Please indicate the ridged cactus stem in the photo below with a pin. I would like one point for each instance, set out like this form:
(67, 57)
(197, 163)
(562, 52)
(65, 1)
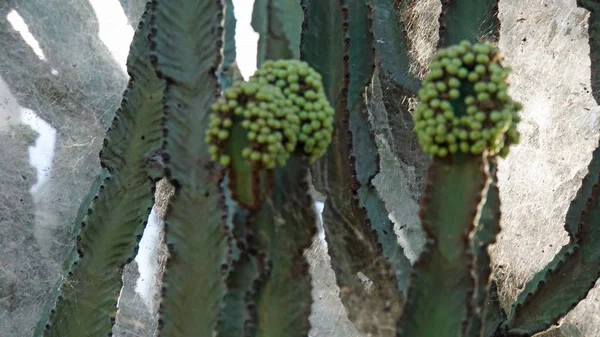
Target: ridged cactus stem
(186, 51)
(113, 220)
(439, 302)
(352, 245)
(468, 19)
(463, 120)
(266, 132)
(392, 44)
(485, 233)
(365, 155)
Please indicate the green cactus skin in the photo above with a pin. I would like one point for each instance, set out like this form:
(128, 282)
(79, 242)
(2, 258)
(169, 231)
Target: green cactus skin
(244, 269)
(186, 50)
(351, 243)
(392, 45)
(228, 66)
(468, 19)
(364, 149)
(117, 213)
(484, 235)
(568, 278)
(439, 302)
(235, 313)
(464, 105)
(278, 23)
(283, 229)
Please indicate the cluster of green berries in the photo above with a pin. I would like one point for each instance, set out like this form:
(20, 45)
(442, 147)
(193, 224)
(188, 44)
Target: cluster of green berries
(282, 107)
(302, 87)
(464, 105)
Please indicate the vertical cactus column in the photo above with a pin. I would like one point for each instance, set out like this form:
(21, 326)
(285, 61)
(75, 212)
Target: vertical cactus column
(267, 132)
(116, 212)
(465, 118)
(186, 51)
(355, 219)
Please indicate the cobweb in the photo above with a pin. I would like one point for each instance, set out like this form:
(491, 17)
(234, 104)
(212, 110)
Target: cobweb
(61, 79)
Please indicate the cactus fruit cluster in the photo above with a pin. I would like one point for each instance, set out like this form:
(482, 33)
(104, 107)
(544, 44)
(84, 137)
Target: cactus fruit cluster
(282, 108)
(464, 103)
(239, 153)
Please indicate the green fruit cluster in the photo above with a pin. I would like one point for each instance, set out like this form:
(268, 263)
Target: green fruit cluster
(303, 90)
(281, 108)
(464, 104)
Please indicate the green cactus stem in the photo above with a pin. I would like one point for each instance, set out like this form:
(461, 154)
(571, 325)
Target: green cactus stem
(364, 150)
(186, 51)
(464, 105)
(256, 129)
(283, 229)
(392, 45)
(439, 300)
(484, 235)
(468, 19)
(113, 220)
(464, 93)
(353, 247)
(278, 23)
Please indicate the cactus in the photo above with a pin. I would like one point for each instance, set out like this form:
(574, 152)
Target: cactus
(239, 154)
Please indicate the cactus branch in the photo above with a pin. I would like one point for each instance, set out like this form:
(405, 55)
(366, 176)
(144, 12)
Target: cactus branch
(116, 215)
(443, 284)
(284, 229)
(392, 45)
(483, 236)
(364, 152)
(469, 19)
(278, 24)
(186, 47)
(351, 244)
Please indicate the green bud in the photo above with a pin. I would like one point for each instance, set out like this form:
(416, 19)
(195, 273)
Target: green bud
(469, 58)
(454, 93)
(454, 82)
(225, 160)
(482, 58)
(483, 96)
(223, 134)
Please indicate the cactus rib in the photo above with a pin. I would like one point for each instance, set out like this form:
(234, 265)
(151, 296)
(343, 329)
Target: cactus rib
(283, 229)
(364, 150)
(443, 284)
(116, 215)
(392, 46)
(483, 236)
(351, 243)
(278, 23)
(186, 50)
(468, 19)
